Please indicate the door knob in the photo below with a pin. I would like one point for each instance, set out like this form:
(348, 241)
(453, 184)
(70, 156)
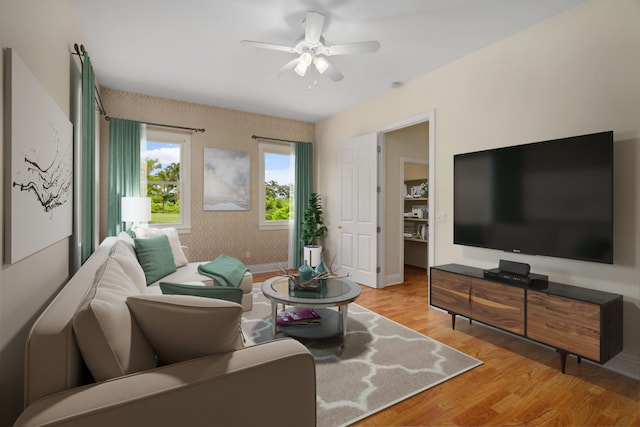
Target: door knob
(340, 226)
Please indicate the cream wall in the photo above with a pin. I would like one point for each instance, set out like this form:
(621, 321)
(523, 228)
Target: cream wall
(42, 34)
(212, 233)
(573, 74)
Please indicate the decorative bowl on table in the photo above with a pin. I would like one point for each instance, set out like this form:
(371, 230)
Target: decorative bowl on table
(296, 283)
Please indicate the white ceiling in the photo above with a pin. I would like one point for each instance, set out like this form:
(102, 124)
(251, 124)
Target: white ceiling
(190, 50)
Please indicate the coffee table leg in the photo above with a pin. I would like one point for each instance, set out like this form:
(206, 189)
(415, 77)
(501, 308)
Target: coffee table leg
(343, 310)
(274, 316)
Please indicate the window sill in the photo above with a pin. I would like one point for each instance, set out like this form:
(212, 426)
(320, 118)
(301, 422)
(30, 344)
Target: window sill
(279, 226)
(182, 229)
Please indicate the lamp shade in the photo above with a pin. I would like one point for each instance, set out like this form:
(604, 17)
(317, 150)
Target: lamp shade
(321, 64)
(135, 209)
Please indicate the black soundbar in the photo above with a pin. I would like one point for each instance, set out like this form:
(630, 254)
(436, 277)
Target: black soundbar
(518, 268)
(531, 280)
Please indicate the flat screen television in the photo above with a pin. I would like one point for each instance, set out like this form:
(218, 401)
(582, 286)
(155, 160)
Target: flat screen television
(552, 198)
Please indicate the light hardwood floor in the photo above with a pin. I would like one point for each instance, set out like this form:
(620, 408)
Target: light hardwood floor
(519, 383)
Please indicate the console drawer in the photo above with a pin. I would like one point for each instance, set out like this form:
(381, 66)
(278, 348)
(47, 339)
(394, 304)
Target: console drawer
(571, 325)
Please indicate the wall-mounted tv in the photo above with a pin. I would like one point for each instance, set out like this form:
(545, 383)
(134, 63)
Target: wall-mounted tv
(552, 198)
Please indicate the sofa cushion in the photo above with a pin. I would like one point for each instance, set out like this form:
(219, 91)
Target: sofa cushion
(109, 339)
(127, 241)
(188, 273)
(225, 293)
(179, 257)
(124, 253)
(181, 327)
(155, 257)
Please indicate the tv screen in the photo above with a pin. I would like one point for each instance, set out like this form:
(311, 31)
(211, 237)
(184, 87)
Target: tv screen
(552, 198)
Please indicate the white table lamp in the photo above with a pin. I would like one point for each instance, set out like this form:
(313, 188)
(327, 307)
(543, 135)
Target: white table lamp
(135, 209)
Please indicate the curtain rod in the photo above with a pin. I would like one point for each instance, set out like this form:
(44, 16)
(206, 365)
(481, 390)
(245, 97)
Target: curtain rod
(273, 139)
(107, 118)
(80, 51)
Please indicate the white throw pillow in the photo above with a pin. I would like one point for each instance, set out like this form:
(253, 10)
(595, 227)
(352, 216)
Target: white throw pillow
(179, 257)
(126, 257)
(184, 327)
(109, 339)
(126, 240)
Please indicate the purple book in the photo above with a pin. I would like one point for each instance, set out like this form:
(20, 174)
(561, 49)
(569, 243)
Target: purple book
(297, 316)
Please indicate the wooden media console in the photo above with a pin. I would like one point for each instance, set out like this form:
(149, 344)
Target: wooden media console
(573, 320)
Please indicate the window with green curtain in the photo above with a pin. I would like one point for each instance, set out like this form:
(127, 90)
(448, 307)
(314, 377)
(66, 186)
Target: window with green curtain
(303, 188)
(124, 169)
(88, 215)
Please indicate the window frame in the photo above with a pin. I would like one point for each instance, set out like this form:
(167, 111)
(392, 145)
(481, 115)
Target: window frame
(276, 148)
(184, 141)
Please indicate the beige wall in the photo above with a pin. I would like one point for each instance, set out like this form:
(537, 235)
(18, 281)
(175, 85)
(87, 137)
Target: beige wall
(212, 233)
(42, 34)
(573, 74)
(415, 171)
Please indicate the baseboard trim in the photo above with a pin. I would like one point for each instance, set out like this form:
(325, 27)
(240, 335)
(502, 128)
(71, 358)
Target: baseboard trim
(267, 268)
(625, 364)
(393, 279)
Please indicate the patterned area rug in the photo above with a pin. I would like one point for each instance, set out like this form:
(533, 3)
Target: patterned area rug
(381, 362)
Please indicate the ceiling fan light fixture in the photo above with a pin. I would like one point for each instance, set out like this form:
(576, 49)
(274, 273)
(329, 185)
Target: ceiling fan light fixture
(321, 64)
(303, 63)
(306, 58)
(301, 69)
(310, 48)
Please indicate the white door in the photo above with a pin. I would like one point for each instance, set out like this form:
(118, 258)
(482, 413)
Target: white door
(357, 246)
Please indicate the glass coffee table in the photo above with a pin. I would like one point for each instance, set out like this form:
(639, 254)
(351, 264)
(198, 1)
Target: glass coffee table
(335, 292)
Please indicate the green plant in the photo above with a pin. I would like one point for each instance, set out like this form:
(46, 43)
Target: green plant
(313, 228)
(424, 187)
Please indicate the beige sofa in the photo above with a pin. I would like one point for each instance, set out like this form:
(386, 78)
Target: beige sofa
(108, 350)
(187, 272)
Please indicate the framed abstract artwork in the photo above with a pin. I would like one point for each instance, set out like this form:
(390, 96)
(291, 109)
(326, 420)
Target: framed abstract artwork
(39, 160)
(227, 180)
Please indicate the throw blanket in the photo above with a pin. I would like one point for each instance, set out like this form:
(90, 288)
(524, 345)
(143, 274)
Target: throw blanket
(227, 270)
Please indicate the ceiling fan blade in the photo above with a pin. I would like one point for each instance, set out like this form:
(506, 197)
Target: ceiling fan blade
(270, 46)
(333, 73)
(358, 47)
(313, 27)
(287, 67)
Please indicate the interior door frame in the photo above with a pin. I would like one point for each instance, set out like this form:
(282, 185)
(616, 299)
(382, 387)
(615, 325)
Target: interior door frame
(427, 116)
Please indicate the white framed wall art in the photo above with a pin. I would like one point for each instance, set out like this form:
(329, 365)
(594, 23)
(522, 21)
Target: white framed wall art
(227, 180)
(38, 143)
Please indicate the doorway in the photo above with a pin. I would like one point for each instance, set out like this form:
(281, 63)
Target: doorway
(408, 142)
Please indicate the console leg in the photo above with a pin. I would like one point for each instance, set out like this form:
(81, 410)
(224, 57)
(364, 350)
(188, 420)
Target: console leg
(563, 360)
(453, 320)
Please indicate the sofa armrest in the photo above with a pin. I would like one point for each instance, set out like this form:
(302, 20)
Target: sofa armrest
(272, 383)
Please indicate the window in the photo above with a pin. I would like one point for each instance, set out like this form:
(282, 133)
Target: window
(165, 162)
(275, 186)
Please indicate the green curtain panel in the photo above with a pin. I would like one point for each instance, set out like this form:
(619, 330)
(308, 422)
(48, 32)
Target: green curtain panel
(124, 168)
(88, 217)
(303, 188)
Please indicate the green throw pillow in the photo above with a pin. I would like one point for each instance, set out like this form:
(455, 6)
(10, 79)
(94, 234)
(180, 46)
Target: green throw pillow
(228, 294)
(155, 257)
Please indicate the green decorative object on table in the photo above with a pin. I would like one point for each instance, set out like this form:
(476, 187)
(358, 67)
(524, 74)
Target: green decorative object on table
(321, 271)
(305, 272)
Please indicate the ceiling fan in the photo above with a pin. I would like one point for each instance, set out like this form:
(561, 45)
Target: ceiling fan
(311, 49)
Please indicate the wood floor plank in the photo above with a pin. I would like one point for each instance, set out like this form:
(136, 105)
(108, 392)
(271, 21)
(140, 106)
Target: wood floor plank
(519, 383)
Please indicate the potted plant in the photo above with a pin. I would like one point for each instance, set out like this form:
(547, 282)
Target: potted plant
(313, 230)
